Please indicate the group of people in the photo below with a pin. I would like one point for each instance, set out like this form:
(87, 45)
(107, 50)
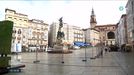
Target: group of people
(107, 49)
(102, 50)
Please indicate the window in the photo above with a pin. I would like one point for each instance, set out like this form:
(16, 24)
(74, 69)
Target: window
(23, 36)
(18, 41)
(13, 41)
(14, 31)
(25, 20)
(18, 38)
(19, 31)
(103, 37)
(10, 17)
(111, 42)
(99, 37)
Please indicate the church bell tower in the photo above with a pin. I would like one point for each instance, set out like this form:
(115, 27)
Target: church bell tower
(93, 21)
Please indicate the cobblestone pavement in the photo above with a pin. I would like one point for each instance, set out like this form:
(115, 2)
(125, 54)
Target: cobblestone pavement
(112, 63)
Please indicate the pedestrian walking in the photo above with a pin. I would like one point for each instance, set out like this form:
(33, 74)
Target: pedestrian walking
(106, 49)
(101, 53)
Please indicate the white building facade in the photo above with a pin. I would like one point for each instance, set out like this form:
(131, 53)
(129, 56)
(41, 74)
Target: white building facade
(92, 36)
(38, 34)
(121, 31)
(130, 21)
(72, 34)
(19, 29)
(24, 30)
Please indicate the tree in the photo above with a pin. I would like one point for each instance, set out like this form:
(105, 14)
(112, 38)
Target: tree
(6, 28)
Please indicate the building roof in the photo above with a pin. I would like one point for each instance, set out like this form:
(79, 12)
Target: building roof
(94, 29)
(37, 21)
(123, 15)
(15, 12)
(9, 10)
(21, 14)
(107, 25)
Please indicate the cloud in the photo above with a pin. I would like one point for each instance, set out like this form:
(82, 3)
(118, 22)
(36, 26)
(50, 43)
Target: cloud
(73, 12)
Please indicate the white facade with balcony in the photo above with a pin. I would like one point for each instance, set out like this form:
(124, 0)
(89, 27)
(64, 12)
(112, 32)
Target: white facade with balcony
(19, 29)
(38, 34)
(24, 30)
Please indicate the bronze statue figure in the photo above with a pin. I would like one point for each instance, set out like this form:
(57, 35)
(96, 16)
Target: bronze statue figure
(61, 22)
(60, 34)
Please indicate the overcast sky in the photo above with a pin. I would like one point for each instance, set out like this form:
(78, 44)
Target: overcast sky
(74, 12)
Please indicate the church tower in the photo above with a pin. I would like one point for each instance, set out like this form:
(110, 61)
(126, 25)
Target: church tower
(93, 21)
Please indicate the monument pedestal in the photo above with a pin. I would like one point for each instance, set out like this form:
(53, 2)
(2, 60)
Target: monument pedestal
(60, 49)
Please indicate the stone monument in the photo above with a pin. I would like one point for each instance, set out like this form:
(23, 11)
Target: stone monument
(59, 47)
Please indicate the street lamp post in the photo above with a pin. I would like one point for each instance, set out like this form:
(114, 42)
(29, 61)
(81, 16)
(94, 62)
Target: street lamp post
(62, 57)
(92, 50)
(84, 60)
(36, 58)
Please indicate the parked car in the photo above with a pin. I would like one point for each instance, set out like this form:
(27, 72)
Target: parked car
(76, 47)
(128, 48)
(32, 49)
(113, 48)
(81, 44)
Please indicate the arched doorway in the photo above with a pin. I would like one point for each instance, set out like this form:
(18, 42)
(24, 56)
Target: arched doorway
(111, 35)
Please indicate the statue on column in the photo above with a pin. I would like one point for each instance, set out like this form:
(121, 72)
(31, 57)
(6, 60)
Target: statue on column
(59, 47)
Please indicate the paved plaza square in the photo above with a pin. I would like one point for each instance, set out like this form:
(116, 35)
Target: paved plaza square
(112, 63)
